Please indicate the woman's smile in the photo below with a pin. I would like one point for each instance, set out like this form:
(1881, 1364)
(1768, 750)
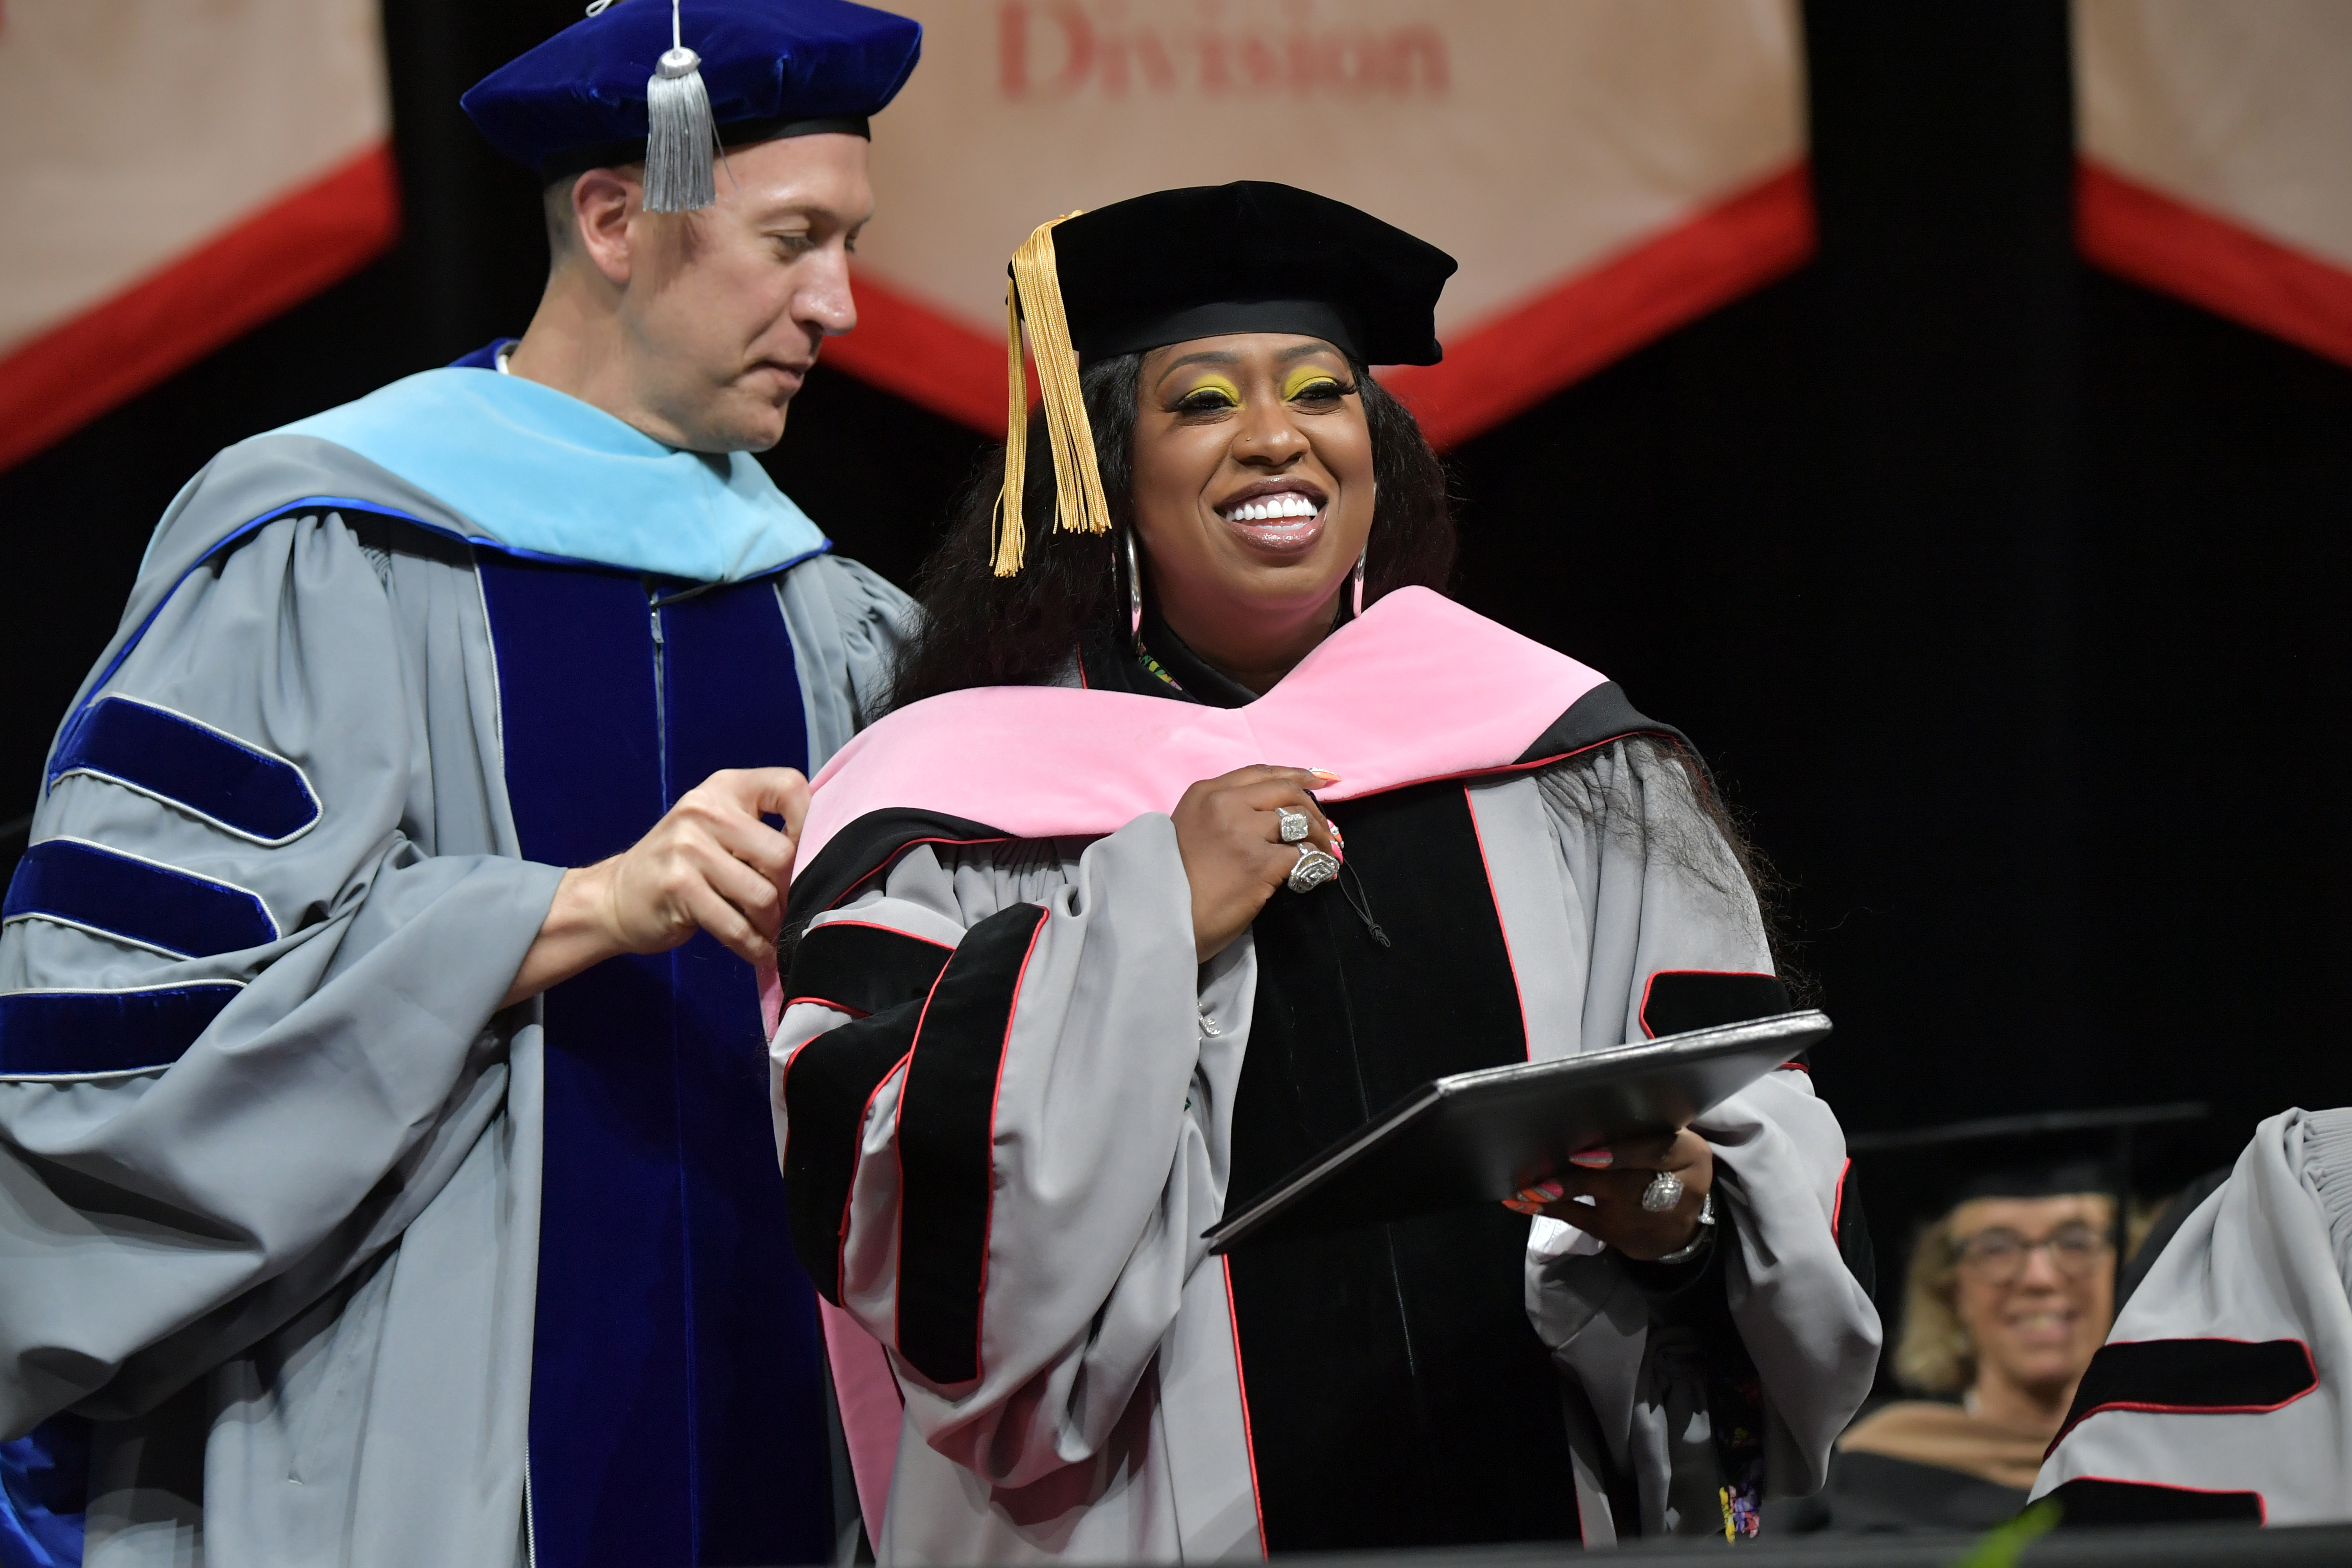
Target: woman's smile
(2043, 1326)
(1279, 517)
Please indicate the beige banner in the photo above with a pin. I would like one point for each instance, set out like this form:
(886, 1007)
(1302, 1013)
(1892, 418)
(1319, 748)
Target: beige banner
(1531, 139)
(2217, 156)
(2242, 109)
(136, 130)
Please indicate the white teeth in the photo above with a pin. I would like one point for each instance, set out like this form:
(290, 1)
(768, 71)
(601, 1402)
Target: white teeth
(1289, 503)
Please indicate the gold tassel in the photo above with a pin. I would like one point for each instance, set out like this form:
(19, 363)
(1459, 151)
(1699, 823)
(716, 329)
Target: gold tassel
(1035, 294)
(1011, 529)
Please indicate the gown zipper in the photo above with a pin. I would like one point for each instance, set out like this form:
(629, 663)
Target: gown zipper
(661, 695)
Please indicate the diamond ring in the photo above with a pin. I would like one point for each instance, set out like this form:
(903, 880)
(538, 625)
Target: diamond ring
(1665, 1191)
(1314, 868)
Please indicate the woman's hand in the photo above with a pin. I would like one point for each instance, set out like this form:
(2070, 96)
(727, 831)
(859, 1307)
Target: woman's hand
(1614, 1176)
(1229, 833)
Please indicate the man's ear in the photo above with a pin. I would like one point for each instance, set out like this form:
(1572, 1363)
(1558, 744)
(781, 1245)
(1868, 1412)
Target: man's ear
(603, 202)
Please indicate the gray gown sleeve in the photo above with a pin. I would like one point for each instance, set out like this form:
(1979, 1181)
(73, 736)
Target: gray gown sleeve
(1647, 886)
(156, 1220)
(2221, 1372)
(847, 623)
(1045, 1137)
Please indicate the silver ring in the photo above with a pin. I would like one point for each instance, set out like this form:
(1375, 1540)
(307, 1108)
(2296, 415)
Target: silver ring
(1665, 1191)
(1295, 826)
(1314, 868)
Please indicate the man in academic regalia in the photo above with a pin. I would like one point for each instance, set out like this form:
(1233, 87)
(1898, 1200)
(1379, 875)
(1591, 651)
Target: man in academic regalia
(373, 1188)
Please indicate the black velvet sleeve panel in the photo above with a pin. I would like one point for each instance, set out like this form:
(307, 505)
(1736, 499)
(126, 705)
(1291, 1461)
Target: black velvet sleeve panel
(947, 1119)
(2192, 1377)
(1677, 1001)
(864, 850)
(860, 968)
(2095, 1499)
(826, 1089)
(1850, 1228)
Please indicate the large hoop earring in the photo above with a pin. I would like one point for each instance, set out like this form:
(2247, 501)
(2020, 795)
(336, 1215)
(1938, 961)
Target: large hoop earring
(1357, 603)
(1135, 587)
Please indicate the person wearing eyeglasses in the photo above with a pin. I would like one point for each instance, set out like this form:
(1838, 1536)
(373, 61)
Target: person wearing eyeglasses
(2007, 1297)
(2220, 1397)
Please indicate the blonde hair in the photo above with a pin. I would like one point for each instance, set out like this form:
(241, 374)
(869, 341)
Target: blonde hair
(1936, 1353)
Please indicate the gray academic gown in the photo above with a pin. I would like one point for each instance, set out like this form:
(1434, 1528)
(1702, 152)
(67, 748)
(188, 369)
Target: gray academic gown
(2224, 1391)
(1110, 1421)
(287, 1261)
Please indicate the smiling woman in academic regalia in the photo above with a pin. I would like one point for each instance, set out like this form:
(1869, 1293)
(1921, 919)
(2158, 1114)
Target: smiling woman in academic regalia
(1088, 961)
(2008, 1295)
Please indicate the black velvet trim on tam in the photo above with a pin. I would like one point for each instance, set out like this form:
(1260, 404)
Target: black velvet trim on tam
(1252, 257)
(1335, 324)
(947, 1150)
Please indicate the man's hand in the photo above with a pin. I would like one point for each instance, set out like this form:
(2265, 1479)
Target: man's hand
(710, 864)
(1229, 833)
(1615, 1177)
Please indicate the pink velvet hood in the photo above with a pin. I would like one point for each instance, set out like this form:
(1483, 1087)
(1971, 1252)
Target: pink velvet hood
(1417, 688)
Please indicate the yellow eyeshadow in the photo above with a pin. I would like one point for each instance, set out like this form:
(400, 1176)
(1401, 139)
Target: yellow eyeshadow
(1219, 383)
(1303, 377)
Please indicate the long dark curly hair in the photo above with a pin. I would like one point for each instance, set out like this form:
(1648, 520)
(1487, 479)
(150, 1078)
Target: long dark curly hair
(979, 629)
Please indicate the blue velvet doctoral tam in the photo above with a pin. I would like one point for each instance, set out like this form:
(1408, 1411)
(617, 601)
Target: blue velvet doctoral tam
(762, 60)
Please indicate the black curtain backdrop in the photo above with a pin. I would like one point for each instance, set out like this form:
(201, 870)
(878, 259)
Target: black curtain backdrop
(2005, 597)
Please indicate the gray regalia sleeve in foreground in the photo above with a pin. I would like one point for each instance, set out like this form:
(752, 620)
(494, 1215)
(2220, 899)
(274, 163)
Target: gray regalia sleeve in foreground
(289, 1267)
(2224, 1390)
(1642, 882)
(1068, 1361)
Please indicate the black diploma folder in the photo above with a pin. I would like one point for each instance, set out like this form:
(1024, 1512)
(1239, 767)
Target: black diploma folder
(1479, 1137)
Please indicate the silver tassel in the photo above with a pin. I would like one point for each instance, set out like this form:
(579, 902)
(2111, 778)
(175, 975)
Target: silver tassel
(681, 134)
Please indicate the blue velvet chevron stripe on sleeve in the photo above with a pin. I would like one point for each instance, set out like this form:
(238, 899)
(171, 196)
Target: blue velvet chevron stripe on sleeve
(60, 1033)
(207, 772)
(157, 907)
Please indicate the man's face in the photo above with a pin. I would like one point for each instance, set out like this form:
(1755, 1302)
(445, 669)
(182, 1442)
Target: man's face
(724, 309)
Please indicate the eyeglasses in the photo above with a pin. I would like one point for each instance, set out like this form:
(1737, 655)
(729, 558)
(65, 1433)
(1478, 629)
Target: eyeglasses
(1998, 1254)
